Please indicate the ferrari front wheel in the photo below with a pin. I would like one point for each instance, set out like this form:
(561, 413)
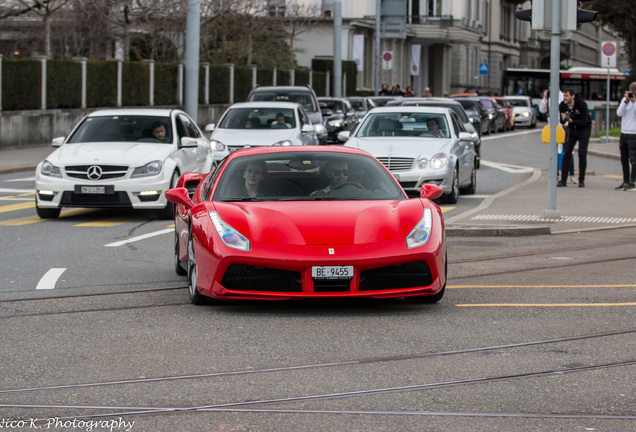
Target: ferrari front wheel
(195, 297)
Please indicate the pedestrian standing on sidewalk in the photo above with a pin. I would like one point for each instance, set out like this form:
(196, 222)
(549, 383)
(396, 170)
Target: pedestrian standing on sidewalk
(565, 114)
(627, 144)
(580, 129)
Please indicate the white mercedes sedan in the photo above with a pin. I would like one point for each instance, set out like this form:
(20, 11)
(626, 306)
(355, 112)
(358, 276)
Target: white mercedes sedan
(253, 124)
(420, 145)
(121, 158)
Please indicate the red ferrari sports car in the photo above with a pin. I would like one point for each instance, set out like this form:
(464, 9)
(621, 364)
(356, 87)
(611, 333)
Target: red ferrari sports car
(279, 223)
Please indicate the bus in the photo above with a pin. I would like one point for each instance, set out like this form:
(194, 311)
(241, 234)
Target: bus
(589, 82)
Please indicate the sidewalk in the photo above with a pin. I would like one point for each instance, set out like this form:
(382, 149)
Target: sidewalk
(518, 211)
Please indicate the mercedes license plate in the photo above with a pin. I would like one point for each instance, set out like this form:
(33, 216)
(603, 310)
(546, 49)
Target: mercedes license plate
(332, 272)
(94, 190)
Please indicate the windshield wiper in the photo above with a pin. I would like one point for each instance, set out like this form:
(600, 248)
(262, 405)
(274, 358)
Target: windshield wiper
(242, 199)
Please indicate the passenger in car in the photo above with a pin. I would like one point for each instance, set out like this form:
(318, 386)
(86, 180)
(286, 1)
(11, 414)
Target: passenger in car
(337, 173)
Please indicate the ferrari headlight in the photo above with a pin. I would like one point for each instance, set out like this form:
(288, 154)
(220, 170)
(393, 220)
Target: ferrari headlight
(335, 123)
(229, 235)
(283, 143)
(421, 234)
(439, 160)
(217, 145)
(150, 169)
(48, 169)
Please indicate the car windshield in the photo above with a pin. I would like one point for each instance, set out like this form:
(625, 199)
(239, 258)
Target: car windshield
(305, 176)
(519, 102)
(333, 105)
(118, 128)
(469, 105)
(303, 98)
(258, 118)
(357, 104)
(404, 124)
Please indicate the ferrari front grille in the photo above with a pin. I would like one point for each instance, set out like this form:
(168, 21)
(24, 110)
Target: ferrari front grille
(241, 277)
(407, 275)
(397, 163)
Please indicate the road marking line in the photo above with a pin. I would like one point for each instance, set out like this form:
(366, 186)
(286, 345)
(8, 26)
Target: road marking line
(544, 304)
(514, 169)
(141, 237)
(107, 222)
(446, 208)
(49, 280)
(16, 191)
(14, 207)
(21, 221)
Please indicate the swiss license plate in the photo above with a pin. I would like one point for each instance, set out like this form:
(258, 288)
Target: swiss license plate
(94, 190)
(332, 272)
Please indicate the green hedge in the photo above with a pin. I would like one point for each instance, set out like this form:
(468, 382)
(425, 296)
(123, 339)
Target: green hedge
(21, 84)
(136, 84)
(166, 83)
(348, 69)
(63, 84)
(101, 90)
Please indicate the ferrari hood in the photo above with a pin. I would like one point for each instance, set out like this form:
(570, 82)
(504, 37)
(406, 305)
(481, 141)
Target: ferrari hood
(116, 153)
(323, 222)
(254, 137)
(401, 146)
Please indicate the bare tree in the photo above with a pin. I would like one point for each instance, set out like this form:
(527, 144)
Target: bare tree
(44, 9)
(298, 19)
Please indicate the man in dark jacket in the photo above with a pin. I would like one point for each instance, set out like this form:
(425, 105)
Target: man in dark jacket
(574, 113)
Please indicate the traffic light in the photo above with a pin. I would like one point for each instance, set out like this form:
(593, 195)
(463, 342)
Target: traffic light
(582, 15)
(572, 16)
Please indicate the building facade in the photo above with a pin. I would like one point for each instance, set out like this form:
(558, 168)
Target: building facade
(449, 46)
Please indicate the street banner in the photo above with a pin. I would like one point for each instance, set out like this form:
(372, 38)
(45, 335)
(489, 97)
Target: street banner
(358, 52)
(416, 51)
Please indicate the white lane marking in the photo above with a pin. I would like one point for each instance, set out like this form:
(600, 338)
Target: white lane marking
(50, 278)
(16, 191)
(510, 135)
(141, 237)
(32, 178)
(514, 169)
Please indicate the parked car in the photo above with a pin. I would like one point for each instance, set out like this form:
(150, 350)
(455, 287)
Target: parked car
(361, 105)
(495, 113)
(121, 158)
(508, 112)
(405, 141)
(477, 112)
(252, 124)
(471, 125)
(525, 112)
(339, 116)
(331, 222)
(304, 96)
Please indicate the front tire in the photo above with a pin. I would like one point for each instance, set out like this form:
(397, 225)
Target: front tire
(472, 187)
(195, 297)
(178, 268)
(453, 197)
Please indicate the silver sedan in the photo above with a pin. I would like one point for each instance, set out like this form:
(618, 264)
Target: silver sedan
(420, 145)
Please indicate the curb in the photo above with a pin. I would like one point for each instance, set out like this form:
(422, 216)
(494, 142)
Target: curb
(460, 230)
(17, 168)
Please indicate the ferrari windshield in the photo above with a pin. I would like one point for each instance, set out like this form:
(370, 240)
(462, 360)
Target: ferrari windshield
(304, 176)
(258, 118)
(404, 124)
(118, 128)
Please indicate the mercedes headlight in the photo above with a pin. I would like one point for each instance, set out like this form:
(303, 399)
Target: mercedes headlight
(48, 169)
(229, 235)
(421, 234)
(150, 169)
(217, 145)
(422, 163)
(439, 160)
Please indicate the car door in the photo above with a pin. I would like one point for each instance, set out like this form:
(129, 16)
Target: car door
(307, 138)
(196, 158)
(465, 150)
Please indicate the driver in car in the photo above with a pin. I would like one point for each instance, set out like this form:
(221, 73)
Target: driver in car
(337, 173)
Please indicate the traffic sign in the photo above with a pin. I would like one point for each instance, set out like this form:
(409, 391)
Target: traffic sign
(483, 69)
(608, 54)
(387, 58)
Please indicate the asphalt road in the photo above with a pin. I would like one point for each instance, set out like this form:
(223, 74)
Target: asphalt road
(534, 334)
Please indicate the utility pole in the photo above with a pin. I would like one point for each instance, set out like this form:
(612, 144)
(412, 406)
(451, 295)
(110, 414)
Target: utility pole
(337, 50)
(193, 25)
